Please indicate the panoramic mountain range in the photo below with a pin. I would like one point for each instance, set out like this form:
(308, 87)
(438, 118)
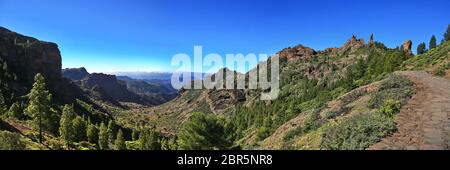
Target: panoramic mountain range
(361, 95)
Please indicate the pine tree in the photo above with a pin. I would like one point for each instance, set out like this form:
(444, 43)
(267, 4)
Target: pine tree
(119, 144)
(447, 34)
(16, 111)
(39, 106)
(112, 131)
(204, 132)
(421, 48)
(149, 140)
(92, 133)
(79, 126)
(432, 42)
(66, 130)
(103, 137)
(134, 135)
(2, 104)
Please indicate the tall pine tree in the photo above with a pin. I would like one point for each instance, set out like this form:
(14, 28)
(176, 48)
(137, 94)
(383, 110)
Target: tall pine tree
(432, 42)
(119, 144)
(92, 133)
(39, 106)
(421, 48)
(103, 137)
(149, 140)
(66, 130)
(112, 130)
(447, 34)
(79, 126)
(2, 104)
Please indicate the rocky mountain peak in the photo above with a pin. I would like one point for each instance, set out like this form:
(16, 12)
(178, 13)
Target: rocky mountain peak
(296, 52)
(354, 42)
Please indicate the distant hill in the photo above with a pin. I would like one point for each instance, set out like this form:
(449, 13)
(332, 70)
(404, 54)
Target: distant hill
(121, 88)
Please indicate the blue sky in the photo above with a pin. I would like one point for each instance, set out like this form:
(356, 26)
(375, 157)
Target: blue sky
(143, 35)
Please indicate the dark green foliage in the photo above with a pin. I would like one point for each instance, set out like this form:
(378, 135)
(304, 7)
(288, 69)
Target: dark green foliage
(92, 133)
(149, 140)
(16, 111)
(112, 130)
(204, 132)
(3, 106)
(103, 137)
(119, 144)
(358, 132)
(134, 135)
(66, 130)
(79, 126)
(447, 34)
(421, 48)
(11, 141)
(432, 42)
(39, 108)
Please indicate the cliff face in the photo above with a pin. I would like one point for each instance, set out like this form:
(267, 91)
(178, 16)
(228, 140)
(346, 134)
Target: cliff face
(75, 73)
(28, 56)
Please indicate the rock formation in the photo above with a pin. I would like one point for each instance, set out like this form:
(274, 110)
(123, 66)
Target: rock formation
(297, 52)
(407, 46)
(353, 43)
(371, 43)
(28, 56)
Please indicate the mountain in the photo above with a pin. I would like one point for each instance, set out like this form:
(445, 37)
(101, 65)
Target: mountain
(75, 74)
(142, 86)
(158, 91)
(325, 95)
(123, 89)
(22, 57)
(354, 97)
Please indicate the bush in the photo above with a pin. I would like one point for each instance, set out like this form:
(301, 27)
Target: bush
(11, 141)
(358, 132)
(390, 108)
(310, 123)
(395, 88)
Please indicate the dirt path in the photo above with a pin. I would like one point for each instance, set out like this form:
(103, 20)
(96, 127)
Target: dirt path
(424, 123)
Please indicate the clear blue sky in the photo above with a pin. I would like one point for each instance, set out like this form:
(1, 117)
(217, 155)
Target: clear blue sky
(143, 35)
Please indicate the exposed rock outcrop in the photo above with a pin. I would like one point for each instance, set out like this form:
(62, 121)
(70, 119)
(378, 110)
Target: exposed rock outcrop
(371, 42)
(28, 56)
(407, 46)
(353, 43)
(298, 52)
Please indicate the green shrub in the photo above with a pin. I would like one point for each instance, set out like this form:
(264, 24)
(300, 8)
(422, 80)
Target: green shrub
(310, 123)
(358, 132)
(11, 141)
(395, 88)
(390, 108)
